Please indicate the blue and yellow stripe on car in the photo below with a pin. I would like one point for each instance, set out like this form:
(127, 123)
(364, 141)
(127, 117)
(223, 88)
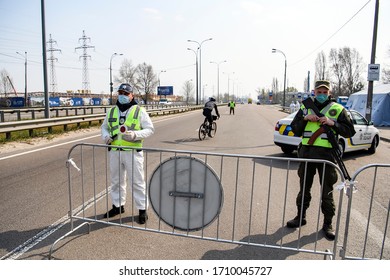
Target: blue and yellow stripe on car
(352, 145)
(285, 129)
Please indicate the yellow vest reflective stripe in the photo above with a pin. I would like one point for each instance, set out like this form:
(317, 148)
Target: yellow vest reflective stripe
(132, 122)
(332, 111)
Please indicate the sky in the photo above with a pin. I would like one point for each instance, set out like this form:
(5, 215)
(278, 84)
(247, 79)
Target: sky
(156, 32)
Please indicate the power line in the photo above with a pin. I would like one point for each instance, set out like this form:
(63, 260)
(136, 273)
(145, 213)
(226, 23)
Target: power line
(180, 67)
(338, 30)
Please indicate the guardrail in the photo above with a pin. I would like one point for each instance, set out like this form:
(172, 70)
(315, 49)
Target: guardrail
(77, 109)
(57, 110)
(31, 125)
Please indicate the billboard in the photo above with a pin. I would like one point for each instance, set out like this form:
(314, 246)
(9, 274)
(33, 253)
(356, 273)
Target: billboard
(12, 102)
(165, 90)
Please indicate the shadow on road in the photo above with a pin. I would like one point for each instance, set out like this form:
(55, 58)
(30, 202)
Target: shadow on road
(246, 252)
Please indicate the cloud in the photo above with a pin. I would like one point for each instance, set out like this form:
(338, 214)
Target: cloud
(179, 18)
(252, 8)
(153, 13)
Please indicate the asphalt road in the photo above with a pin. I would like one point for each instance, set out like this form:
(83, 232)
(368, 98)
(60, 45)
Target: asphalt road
(34, 193)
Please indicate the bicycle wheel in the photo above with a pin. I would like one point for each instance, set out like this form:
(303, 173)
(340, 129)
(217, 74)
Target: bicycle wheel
(202, 132)
(213, 128)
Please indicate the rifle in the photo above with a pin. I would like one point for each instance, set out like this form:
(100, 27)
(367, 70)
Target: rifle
(309, 104)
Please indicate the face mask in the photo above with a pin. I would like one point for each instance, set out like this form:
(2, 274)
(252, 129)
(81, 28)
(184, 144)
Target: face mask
(321, 98)
(123, 99)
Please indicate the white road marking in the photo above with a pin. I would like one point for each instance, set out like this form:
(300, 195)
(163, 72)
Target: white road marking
(33, 241)
(26, 246)
(47, 147)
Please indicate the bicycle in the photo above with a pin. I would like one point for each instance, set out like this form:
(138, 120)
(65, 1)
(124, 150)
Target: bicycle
(204, 128)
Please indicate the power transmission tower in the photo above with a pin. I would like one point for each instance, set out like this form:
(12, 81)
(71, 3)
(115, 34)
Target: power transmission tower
(52, 59)
(84, 39)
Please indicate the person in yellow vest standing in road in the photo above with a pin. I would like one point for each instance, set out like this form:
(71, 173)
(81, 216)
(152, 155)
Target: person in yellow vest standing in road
(232, 104)
(315, 145)
(127, 125)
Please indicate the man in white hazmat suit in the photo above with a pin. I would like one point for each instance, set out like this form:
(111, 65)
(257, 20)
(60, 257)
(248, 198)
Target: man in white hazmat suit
(127, 125)
(292, 107)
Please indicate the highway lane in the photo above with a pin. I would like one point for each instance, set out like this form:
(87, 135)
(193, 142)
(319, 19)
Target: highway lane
(34, 187)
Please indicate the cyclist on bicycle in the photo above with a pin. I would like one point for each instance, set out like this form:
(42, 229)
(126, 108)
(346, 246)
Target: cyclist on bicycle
(207, 112)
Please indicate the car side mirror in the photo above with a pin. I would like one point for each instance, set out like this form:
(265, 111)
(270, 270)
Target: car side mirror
(370, 123)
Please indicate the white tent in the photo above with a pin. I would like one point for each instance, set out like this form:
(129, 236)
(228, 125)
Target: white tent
(380, 115)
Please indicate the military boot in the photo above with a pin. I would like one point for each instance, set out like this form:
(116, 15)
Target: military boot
(328, 229)
(297, 222)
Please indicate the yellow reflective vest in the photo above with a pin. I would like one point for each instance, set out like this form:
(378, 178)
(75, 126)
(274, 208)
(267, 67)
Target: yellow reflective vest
(132, 122)
(332, 111)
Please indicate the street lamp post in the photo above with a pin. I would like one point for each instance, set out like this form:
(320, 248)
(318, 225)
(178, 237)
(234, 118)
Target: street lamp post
(200, 65)
(111, 88)
(285, 70)
(25, 76)
(162, 71)
(228, 83)
(234, 80)
(159, 83)
(197, 83)
(218, 63)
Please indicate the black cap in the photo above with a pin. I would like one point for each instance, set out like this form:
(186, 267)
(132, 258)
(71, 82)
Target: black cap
(126, 88)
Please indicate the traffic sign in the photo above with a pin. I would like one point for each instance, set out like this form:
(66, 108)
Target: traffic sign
(373, 72)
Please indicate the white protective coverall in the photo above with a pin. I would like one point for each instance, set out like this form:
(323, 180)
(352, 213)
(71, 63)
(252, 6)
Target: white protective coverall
(292, 107)
(121, 166)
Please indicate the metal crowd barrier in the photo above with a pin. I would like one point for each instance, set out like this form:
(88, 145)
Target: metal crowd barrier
(367, 226)
(229, 198)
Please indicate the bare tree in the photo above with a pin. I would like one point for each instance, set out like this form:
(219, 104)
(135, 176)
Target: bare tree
(321, 71)
(353, 70)
(146, 80)
(386, 73)
(337, 67)
(265, 94)
(262, 94)
(188, 90)
(275, 89)
(346, 66)
(291, 89)
(5, 86)
(127, 73)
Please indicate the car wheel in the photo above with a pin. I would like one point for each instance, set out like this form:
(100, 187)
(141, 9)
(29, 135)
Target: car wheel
(374, 144)
(341, 147)
(287, 150)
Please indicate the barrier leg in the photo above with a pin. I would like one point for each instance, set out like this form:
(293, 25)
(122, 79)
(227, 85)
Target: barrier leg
(70, 232)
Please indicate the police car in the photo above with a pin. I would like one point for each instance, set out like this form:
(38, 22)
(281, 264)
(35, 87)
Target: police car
(366, 137)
